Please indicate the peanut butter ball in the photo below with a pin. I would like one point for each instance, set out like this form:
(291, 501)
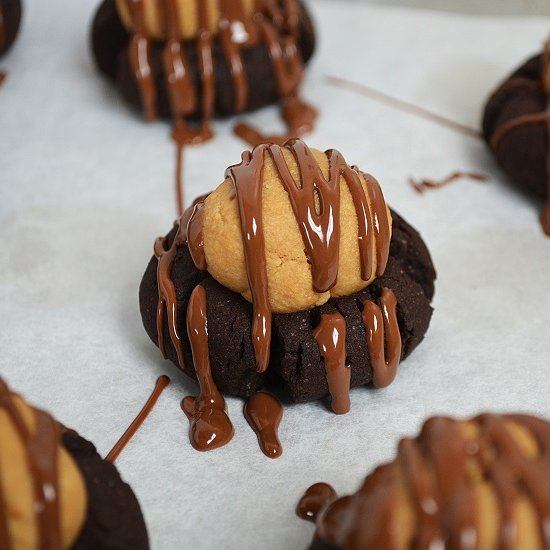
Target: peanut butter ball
(289, 270)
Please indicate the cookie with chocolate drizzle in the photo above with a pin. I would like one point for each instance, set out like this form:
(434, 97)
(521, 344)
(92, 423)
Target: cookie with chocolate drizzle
(516, 126)
(479, 483)
(10, 20)
(55, 490)
(304, 278)
(191, 60)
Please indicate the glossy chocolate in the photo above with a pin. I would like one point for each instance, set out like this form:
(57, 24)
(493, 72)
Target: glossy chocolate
(160, 385)
(436, 473)
(331, 337)
(167, 301)
(532, 118)
(210, 426)
(316, 498)
(41, 450)
(274, 24)
(264, 414)
(382, 331)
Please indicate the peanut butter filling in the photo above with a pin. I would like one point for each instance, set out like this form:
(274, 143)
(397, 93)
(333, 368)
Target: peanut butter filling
(188, 16)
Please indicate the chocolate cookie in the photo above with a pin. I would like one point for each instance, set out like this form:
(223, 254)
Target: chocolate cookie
(113, 518)
(56, 491)
(515, 125)
(459, 484)
(10, 19)
(111, 40)
(292, 359)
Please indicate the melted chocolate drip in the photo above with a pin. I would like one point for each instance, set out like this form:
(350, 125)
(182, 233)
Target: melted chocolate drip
(316, 498)
(264, 414)
(331, 337)
(426, 184)
(274, 24)
(41, 450)
(437, 470)
(532, 118)
(383, 330)
(160, 385)
(210, 426)
(139, 56)
(167, 299)
(3, 77)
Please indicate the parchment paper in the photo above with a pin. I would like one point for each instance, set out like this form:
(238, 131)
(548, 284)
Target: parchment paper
(87, 186)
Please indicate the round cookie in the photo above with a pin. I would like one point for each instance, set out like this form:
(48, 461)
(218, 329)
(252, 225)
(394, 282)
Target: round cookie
(55, 490)
(296, 364)
(110, 40)
(10, 19)
(479, 483)
(515, 126)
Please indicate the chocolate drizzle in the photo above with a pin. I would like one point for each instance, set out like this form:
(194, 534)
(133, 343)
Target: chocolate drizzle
(41, 450)
(438, 470)
(382, 330)
(167, 300)
(316, 498)
(331, 337)
(264, 414)
(532, 118)
(315, 201)
(210, 426)
(272, 23)
(426, 184)
(160, 385)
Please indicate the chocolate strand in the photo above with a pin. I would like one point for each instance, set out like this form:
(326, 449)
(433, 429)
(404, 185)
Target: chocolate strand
(139, 56)
(264, 413)
(533, 118)
(402, 105)
(210, 427)
(426, 184)
(382, 329)
(41, 451)
(161, 383)
(331, 337)
(245, 177)
(167, 299)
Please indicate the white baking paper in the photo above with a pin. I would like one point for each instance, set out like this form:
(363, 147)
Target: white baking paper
(86, 186)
